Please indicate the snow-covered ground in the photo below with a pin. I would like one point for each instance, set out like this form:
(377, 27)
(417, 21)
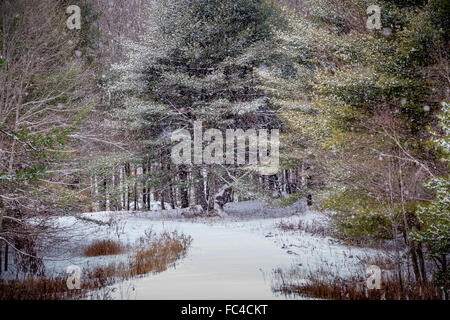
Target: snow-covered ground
(230, 258)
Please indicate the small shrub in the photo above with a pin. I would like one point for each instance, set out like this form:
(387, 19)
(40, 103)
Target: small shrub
(161, 253)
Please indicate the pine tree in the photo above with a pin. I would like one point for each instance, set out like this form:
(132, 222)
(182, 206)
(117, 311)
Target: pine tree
(196, 63)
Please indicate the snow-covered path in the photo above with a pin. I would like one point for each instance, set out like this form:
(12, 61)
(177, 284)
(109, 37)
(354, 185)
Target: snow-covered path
(222, 263)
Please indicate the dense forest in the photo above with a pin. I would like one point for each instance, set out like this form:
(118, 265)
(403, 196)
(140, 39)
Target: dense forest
(360, 113)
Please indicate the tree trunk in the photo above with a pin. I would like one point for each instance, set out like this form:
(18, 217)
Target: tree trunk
(172, 195)
(421, 262)
(144, 189)
(1, 214)
(128, 174)
(444, 272)
(303, 177)
(122, 187)
(92, 191)
(309, 200)
(222, 198)
(105, 191)
(163, 206)
(135, 199)
(183, 189)
(6, 256)
(398, 265)
(444, 263)
(112, 195)
(1, 251)
(287, 182)
(417, 274)
(211, 188)
(149, 190)
(199, 189)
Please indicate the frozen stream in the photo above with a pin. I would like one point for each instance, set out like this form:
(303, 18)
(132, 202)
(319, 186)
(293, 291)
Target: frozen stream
(229, 258)
(222, 263)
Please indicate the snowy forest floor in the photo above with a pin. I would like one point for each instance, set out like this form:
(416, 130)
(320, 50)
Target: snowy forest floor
(244, 255)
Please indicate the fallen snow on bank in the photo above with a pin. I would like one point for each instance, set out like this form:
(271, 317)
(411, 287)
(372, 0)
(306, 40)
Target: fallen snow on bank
(230, 258)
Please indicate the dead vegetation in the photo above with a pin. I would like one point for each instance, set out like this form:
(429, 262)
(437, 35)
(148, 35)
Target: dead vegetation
(103, 248)
(159, 254)
(311, 228)
(153, 254)
(329, 286)
(380, 260)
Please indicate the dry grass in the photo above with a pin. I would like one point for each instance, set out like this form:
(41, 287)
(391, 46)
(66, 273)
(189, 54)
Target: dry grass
(36, 289)
(103, 248)
(160, 254)
(153, 254)
(42, 288)
(311, 228)
(355, 288)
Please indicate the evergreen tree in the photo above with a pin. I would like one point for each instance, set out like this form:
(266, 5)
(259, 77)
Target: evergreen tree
(196, 62)
(358, 107)
(435, 216)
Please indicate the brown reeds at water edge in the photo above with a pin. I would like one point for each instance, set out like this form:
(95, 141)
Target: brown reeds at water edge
(331, 287)
(103, 248)
(150, 256)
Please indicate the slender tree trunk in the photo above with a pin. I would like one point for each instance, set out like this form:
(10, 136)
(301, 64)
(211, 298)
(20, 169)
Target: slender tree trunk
(92, 191)
(395, 234)
(183, 189)
(135, 189)
(412, 252)
(128, 175)
(144, 189)
(171, 194)
(163, 205)
(444, 272)
(1, 252)
(149, 191)
(123, 188)
(309, 200)
(406, 224)
(119, 190)
(271, 180)
(211, 191)
(199, 189)
(399, 266)
(6, 256)
(303, 177)
(1, 215)
(287, 182)
(421, 262)
(105, 191)
(112, 193)
(444, 263)
(207, 194)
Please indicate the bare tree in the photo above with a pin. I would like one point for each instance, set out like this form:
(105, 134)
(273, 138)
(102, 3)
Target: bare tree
(43, 83)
